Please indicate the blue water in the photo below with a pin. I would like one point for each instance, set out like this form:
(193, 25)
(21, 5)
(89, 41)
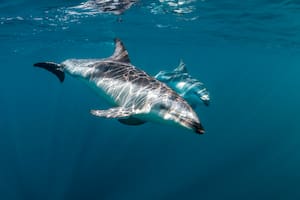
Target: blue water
(246, 53)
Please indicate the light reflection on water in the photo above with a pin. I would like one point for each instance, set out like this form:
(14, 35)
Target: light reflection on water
(269, 22)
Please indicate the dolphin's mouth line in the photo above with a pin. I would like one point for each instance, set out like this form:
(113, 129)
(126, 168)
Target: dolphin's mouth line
(195, 126)
(198, 128)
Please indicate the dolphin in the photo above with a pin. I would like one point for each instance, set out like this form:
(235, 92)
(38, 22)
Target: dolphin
(135, 96)
(191, 89)
(116, 7)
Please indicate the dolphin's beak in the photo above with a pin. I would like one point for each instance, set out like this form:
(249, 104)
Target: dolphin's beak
(206, 102)
(192, 124)
(198, 128)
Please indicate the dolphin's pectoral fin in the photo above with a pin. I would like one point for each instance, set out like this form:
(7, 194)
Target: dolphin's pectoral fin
(132, 121)
(54, 68)
(118, 112)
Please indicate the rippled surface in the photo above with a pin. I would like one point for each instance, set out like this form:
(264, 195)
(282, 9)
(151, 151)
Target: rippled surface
(270, 23)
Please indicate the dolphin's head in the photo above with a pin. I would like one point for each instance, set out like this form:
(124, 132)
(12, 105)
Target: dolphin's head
(197, 94)
(179, 112)
(204, 96)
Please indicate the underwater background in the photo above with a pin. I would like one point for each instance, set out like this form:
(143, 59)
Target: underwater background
(247, 53)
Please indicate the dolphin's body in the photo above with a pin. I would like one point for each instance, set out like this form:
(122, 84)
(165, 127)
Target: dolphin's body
(116, 7)
(191, 89)
(135, 96)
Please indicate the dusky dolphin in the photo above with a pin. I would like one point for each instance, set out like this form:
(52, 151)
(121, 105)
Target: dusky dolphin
(191, 89)
(116, 7)
(135, 96)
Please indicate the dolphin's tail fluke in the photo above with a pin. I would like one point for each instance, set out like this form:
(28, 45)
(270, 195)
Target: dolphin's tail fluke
(54, 68)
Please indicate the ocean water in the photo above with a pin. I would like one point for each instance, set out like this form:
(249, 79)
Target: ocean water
(246, 52)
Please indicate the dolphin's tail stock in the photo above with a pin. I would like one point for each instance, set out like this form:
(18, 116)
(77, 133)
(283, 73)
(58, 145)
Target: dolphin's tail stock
(54, 68)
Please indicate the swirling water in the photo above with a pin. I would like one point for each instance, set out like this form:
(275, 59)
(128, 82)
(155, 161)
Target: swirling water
(246, 53)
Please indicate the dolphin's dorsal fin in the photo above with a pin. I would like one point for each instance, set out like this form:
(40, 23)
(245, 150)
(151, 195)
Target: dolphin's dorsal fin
(181, 68)
(120, 53)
